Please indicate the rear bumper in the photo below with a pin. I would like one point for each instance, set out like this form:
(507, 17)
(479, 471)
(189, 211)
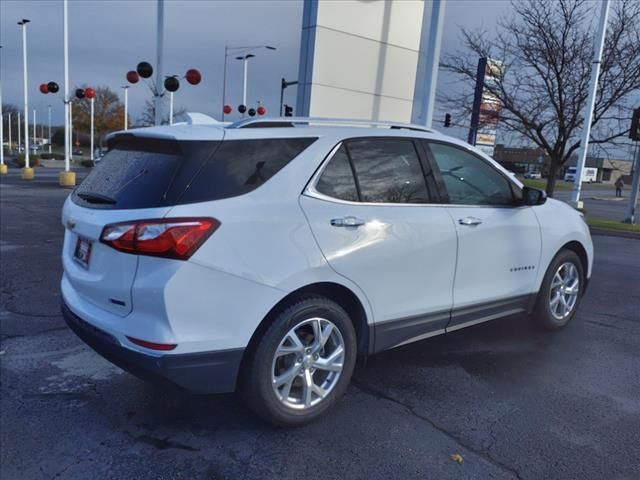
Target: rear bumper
(205, 372)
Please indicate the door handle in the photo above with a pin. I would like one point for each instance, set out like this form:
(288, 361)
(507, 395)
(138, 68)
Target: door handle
(347, 222)
(469, 221)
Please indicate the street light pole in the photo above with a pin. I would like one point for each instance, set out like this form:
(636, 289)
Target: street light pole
(126, 107)
(27, 171)
(34, 131)
(70, 139)
(92, 111)
(591, 100)
(227, 50)
(170, 108)
(49, 108)
(630, 215)
(10, 139)
(159, 76)
(244, 81)
(224, 80)
(3, 167)
(19, 133)
(67, 177)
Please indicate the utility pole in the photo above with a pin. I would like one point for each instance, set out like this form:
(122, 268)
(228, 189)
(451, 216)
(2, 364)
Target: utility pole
(159, 76)
(591, 100)
(428, 61)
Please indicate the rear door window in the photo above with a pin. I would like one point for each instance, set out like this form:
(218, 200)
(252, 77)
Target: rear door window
(337, 179)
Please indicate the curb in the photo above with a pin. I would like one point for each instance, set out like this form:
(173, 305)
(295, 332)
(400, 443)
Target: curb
(610, 199)
(614, 233)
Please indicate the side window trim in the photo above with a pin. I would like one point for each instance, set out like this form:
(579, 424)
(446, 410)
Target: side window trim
(345, 144)
(437, 198)
(442, 186)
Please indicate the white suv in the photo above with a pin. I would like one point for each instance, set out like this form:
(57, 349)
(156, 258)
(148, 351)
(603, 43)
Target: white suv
(265, 256)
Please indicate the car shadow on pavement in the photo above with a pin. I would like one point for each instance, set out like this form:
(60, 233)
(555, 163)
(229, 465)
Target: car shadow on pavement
(479, 350)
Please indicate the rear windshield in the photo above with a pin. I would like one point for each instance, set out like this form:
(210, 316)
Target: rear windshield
(150, 173)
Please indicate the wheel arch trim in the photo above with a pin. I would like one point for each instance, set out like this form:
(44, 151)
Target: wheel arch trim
(353, 302)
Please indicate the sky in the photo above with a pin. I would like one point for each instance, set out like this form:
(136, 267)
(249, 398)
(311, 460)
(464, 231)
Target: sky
(109, 37)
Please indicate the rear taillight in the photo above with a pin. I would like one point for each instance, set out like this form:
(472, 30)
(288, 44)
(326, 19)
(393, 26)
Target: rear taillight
(177, 238)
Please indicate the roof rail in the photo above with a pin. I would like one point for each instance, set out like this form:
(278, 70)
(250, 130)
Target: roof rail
(278, 122)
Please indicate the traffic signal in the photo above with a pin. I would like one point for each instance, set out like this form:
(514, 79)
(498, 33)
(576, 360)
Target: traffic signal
(447, 119)
(634, 133)
(288, 111)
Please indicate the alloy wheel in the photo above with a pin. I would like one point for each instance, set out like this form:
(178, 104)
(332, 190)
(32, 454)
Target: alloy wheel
(308, 363)
(564, 290)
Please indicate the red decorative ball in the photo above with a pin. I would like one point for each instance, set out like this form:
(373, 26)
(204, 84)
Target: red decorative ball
(193, 76)
(89, 92)
(227, 109)
(44, 88)
(261, 110)
(132, 76)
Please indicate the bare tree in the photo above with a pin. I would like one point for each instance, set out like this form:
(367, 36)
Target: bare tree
(546, 47)
(108, 114)
(148, 116)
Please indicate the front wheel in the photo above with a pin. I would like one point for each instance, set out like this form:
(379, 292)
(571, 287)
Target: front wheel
(561, 291)
(302, 364)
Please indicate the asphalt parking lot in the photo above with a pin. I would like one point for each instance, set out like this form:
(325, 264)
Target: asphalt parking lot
(512, 401)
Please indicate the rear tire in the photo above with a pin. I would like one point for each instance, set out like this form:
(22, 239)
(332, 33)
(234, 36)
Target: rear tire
(302, 364)
(561, 291)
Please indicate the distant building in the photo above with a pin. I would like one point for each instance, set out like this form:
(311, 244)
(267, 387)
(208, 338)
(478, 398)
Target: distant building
(522, 160)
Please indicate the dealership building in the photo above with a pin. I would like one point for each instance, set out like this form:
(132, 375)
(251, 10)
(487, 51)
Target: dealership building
(523, 160)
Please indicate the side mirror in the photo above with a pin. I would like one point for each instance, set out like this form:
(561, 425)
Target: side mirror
(533, 196)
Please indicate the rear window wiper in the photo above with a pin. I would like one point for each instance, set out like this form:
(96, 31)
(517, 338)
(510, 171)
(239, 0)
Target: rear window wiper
(96, 198)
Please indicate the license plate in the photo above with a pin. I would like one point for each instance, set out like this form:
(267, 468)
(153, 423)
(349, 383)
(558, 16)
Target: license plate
(82, 253)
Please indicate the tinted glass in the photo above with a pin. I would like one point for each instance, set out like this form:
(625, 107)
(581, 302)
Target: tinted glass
(147, 173)
(470, 180)
(388, 171)
(240, 166)
(337, 178)
(143, 173)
